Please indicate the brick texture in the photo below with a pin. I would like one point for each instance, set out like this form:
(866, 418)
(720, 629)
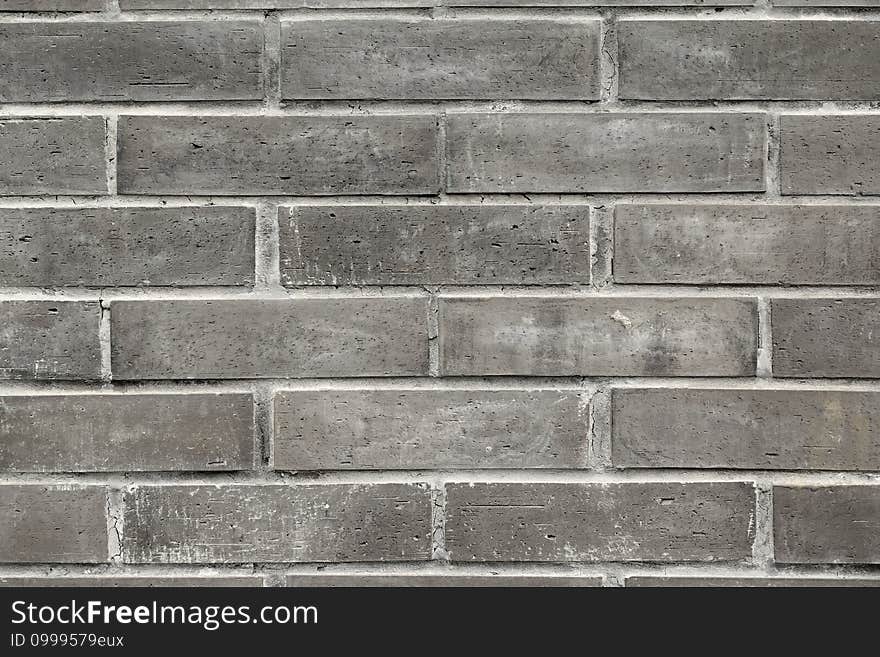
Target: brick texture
(242, 524)
(100, 433)
(434, 245)
(48, 247)
(597, 337)
(604, 522)
(506, 292)
(436, 59)
(54, 524)
(419, 429)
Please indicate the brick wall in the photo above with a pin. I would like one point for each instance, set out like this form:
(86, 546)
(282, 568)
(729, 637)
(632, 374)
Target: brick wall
(311, 293)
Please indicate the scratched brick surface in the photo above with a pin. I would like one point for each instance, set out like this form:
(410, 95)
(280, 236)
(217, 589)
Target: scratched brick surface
(474, 293)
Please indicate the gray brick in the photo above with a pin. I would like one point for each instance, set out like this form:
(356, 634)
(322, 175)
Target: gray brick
(835, 524)
(826, 337)
(241, 339)
(269, 523)
(60, 155)
(50, 340)
(47, 247)
(601, 152)
(443, 580)
(436, 244)
(52, 5)
(425, 59)
(60, 524)
(429, 429)
(747, 244)
(826, 3)
(740, 582)
(141, 581)
(830, 154)
(600, 522)
(365, 4)
(179, 60)
(228, 155)
(624, 336)
(107, 433)
(752, 429)
(749, 59)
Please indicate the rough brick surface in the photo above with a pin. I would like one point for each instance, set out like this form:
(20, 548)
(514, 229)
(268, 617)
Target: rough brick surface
(59, 155)
(739, 582)
(748, 59)
(605, 152)
(481, 581)
(835, 338)
(600, 522)
(751, 429)
(138, 581)
(829, 154)
(50, 340)
(835, 524)
(747, 244)
(436, 59)
(101, 433)
(284, 338)
(326, 281)
(421, 429)
(149, 61)
(61, 524)
(623, 336)
(430, 245)
(228, 155)
(127, 246)
(242, 524)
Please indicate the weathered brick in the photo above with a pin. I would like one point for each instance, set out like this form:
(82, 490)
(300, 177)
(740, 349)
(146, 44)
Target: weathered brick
(366, 4)
(425, 59)
(436, 244)
(52, 5)
(228, 155)
(739, 582)
(601, 152)
(50, 340)
(60, 524)
(748, 59)
(424, 429)
(240, 339)
(101, 433)
(742, 244)
(826, 337)
(834, 524)
(141, 581)
(59, 155)
(444, 580)
(127, 246)
(624, 336)
(752, 429)
(825, 3)
(270, 523)
(829, 154)
(130, 61)
(600, 522)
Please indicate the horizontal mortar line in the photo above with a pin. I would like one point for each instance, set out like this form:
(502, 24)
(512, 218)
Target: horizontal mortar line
(697, 12)
(563, 569)
(448, 292)
(659, 291)
(370, 107)
(127, 570)
(444, 199)
(439, 477)
(580, 385)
